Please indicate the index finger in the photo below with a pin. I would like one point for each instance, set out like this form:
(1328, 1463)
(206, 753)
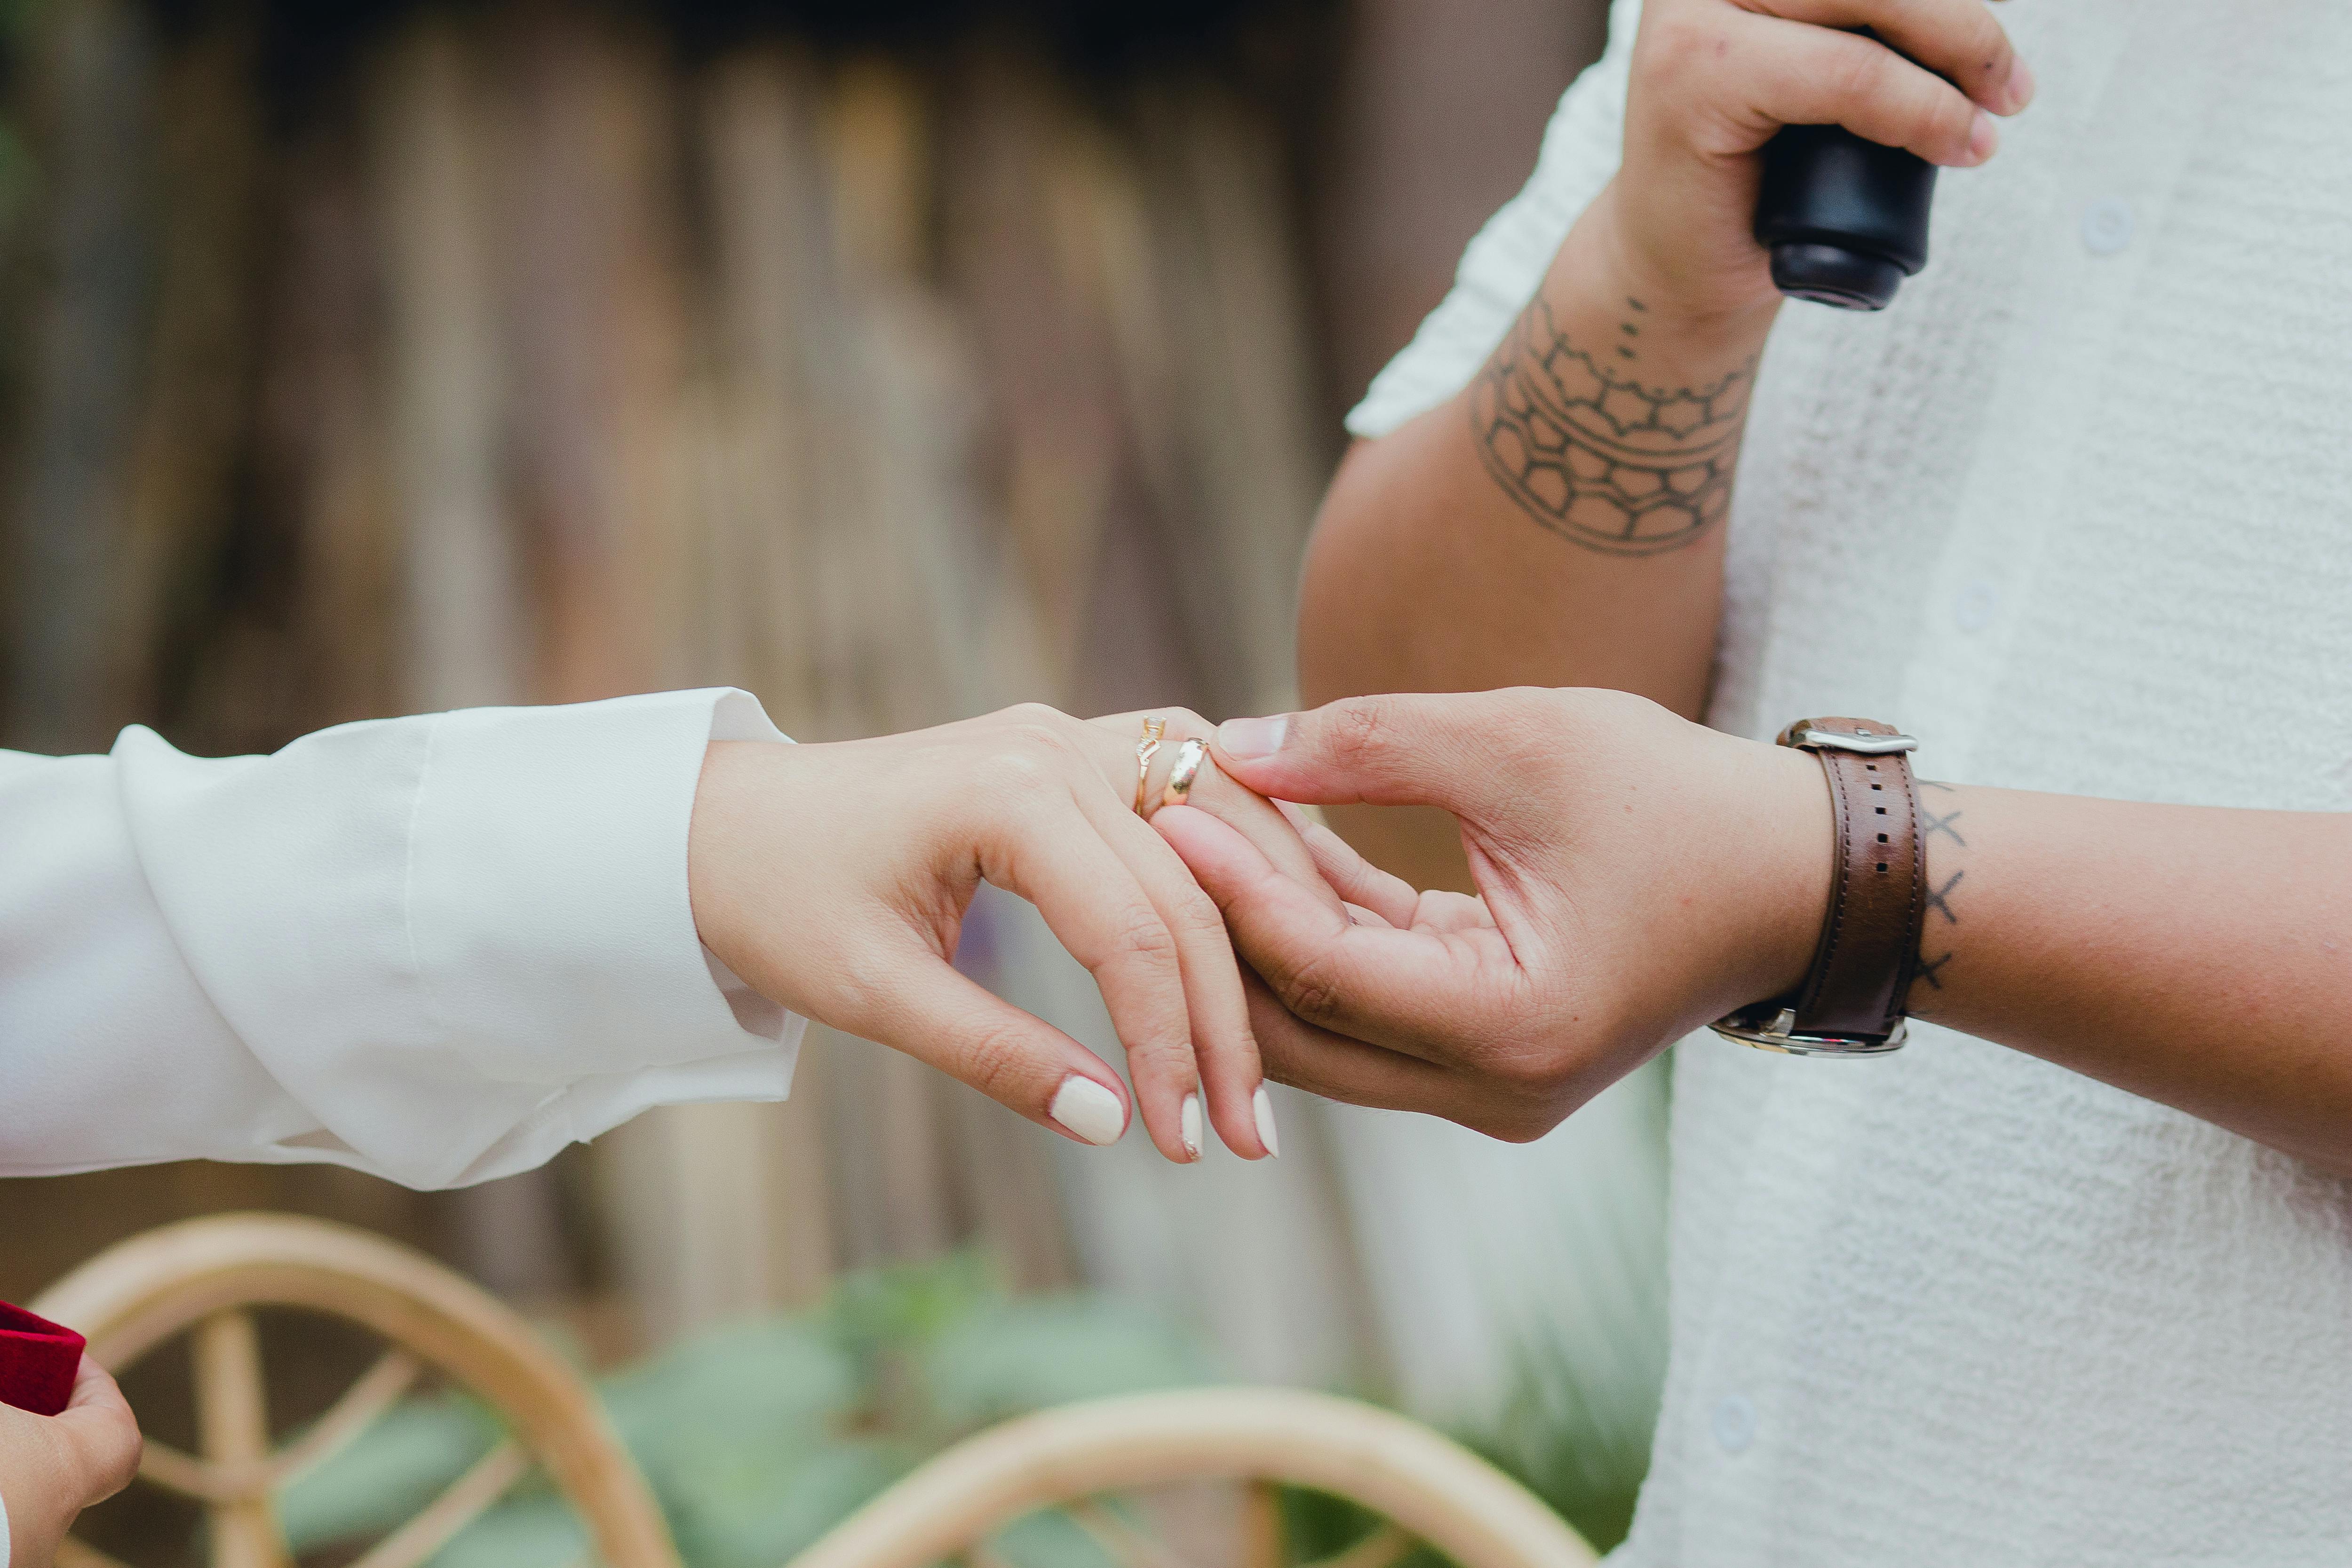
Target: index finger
(1412, 991)
(1960, 40)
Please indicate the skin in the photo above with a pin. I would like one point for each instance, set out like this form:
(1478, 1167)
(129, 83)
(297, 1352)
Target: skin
(53, 1466)
(1639, 875)
(1430, 570)
(2126, 942)
(834, 879)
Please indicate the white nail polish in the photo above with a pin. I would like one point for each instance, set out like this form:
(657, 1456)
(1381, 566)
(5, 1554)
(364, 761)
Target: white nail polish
(1191, 1125)
(1263, 1105)
(1088, 1109)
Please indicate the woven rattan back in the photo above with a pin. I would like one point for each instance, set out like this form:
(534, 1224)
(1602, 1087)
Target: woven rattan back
(205, 1278)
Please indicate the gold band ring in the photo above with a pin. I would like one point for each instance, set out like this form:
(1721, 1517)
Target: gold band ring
(1189, 757)
(1145, 750)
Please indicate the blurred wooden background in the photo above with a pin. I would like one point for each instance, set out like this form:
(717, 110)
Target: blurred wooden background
(894, 362)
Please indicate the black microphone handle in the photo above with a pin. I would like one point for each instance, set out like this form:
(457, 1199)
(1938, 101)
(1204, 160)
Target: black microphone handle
(1844, 218)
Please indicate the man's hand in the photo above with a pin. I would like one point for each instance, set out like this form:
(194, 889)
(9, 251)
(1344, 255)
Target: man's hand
(1712, 81)
(1638, 875)
(53, 1466)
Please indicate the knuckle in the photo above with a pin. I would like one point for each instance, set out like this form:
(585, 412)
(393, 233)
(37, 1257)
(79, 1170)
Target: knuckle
(994, 1060)
(1044, 715)
(1041, 730)
(1168, 1057)
(1860, 72)
(1310, 991)
(1195, 917)
(1953, 120)
(1358, 730)
(1676, 46)
(1142, 936)
(1034, 745)
(1018, 768)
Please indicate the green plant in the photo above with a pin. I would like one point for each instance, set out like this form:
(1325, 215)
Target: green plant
(757, 1436)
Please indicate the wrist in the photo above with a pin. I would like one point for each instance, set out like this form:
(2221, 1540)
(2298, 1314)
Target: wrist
(1689, 312)
(718, 882)
(1851, 1000)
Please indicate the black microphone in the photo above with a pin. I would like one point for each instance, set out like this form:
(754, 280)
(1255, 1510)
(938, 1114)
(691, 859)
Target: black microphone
(1844, 218)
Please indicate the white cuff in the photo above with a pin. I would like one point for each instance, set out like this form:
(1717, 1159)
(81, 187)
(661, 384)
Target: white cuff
(461, 941)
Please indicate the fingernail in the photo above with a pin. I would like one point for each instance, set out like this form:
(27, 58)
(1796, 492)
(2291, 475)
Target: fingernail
(1248, 737)
(2021, 81)
(1983, 137)
(1087, 1109)
(1191, 1125)
(1262, 1105)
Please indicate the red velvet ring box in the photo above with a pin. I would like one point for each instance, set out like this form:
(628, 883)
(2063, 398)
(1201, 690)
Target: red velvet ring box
(37, 1362)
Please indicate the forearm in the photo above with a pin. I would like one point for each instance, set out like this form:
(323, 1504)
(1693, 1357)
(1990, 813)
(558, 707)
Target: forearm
(2191, 955)
(1557, 523)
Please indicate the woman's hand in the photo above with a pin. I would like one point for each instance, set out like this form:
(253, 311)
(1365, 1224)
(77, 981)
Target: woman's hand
(1713, 80)
(53, 1466)
(835, 878)
(1638, 875)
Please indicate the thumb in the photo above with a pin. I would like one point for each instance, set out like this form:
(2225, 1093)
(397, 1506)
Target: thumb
(104, 1433)
(1445, 750)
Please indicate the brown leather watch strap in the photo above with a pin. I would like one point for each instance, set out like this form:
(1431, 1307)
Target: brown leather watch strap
(1870, 941)
(1851, 1002)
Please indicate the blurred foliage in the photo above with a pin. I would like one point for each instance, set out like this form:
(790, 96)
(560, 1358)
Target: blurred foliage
(1574, 1435)
(759, 1435)
(1586, 1369)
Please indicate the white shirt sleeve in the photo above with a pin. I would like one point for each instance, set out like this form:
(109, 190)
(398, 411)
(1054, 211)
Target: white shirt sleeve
(1506, 261)
(435, 949)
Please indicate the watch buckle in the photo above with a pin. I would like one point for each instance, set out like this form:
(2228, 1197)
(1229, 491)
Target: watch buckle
(1806, 737)
(1781, 1036)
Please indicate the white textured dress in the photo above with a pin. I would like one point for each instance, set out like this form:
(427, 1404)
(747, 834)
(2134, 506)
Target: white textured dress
(2083, 500)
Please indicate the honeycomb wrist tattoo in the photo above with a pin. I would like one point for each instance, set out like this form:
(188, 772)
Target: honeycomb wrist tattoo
(1596, 456)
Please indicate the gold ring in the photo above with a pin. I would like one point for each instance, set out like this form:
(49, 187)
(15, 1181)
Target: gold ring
(1145, 750)
(1189, 757)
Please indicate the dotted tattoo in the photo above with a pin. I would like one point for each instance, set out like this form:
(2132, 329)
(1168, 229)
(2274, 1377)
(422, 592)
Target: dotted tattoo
(1606, 462)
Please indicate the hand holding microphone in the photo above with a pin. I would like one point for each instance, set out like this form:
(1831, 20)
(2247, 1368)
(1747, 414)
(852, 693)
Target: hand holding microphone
(1715, 82)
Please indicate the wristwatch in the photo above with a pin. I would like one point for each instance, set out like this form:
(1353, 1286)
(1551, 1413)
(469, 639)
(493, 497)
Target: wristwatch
(1851, 1001)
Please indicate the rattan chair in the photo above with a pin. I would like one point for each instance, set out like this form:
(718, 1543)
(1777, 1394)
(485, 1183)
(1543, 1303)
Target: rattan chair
(203, 1277)
(1426, 1487)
